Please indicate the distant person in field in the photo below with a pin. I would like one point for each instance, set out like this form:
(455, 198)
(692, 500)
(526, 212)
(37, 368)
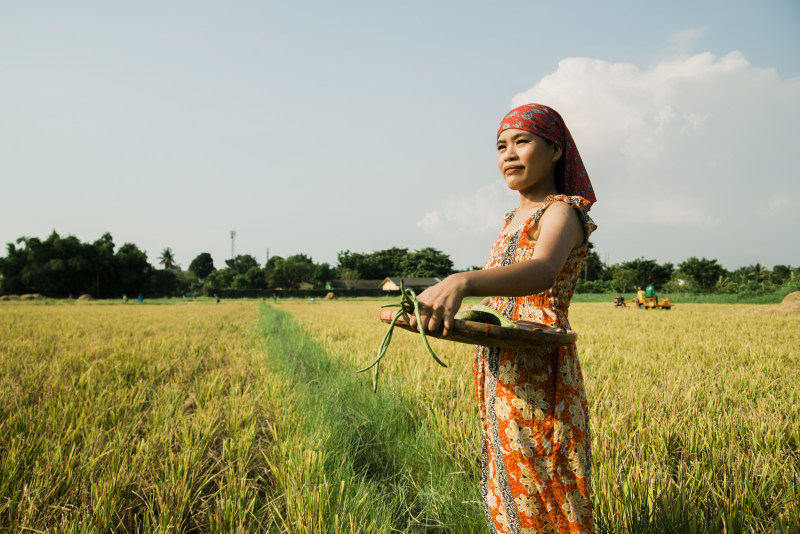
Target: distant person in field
(650, 292)
(532, 403)
(640, 295)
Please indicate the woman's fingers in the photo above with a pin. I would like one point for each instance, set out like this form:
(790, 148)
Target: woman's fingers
(437, 305)
(441, 320)
(424, 315)
(436, 320)
(430, 318)
(448, 325)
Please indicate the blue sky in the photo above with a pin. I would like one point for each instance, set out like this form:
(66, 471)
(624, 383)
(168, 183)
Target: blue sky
(318, 126)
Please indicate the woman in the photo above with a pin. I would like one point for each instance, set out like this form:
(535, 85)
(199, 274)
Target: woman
(532, 404)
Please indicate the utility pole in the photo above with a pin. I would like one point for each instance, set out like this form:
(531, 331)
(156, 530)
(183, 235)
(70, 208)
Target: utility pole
(233, 244)
(267, 258)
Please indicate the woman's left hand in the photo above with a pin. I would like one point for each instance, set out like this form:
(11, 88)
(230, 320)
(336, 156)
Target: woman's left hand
(438, 304)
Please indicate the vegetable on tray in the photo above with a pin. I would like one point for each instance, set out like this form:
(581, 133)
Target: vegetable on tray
(476, 325)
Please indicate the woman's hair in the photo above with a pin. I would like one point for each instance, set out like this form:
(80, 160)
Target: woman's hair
(571, 177)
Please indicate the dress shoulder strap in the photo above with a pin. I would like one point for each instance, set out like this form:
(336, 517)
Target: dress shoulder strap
(577, 202)
(508, 218)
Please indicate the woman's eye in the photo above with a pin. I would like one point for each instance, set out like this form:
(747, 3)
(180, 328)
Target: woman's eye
(501, 147)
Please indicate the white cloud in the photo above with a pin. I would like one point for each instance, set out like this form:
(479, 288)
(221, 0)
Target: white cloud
(680, 43)
(690, 142)
(782, 205)
(686, 213)
(682, 149)
(779, 202)
(479, 213)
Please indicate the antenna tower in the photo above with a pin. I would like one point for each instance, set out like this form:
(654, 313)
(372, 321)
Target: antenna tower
(233, 244)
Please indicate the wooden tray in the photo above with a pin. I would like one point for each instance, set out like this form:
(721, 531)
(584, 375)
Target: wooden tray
(527, 336)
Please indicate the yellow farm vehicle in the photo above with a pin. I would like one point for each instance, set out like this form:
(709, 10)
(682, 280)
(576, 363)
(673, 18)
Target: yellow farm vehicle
(647, 303)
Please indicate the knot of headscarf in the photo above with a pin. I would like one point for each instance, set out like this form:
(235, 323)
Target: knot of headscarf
(546, 122)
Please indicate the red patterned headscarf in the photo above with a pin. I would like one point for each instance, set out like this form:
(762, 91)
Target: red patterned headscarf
(546, 122)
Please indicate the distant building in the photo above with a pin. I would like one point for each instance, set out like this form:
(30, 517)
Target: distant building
(417, 284)
(353, 284)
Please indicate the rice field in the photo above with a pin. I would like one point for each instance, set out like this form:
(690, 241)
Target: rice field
(248, 417)
(694, 411)
(133, 419)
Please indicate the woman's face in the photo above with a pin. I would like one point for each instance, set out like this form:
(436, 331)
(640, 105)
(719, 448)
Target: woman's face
(526, 161)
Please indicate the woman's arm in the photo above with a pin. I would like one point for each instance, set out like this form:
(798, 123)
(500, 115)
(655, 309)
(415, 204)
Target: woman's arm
(560, 232)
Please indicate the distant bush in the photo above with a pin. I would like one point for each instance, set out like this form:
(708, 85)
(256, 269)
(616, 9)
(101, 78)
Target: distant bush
(595, 286)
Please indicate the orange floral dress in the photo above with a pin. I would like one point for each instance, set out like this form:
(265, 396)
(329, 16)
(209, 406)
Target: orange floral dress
(536, 443)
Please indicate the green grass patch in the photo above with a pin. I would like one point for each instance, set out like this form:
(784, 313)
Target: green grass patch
(372, 456)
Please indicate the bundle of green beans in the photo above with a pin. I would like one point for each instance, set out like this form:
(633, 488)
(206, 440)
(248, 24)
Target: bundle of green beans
(408, 304)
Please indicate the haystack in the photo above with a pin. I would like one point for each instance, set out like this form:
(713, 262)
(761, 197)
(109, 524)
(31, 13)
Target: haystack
(31, 296)
(330, 296)
(791, 303)
(85, 297)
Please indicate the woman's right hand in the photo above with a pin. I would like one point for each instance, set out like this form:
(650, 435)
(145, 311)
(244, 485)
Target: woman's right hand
(438, 304)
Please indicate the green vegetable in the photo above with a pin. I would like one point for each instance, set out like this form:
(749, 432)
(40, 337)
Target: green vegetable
(484, 314)
(408, 304)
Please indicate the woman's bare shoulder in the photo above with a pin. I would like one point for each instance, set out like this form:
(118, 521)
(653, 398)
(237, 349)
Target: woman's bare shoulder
(565, 218)
(559, 205)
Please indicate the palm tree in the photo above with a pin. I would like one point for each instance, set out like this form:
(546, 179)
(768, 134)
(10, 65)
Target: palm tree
(167, 258)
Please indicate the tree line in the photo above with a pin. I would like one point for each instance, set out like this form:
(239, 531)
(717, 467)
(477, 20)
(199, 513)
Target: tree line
(694, 275)
(63, 266)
